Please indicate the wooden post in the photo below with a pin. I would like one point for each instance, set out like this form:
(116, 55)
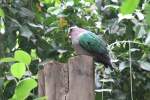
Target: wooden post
(71, 81)
(81, 78)
(55, 81)
(41, 83)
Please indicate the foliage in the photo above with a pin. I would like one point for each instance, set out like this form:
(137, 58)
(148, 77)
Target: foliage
(126, 8)
(36, 30)
(18, 70)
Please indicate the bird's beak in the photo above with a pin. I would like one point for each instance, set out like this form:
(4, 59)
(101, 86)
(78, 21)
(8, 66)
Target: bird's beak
(69, 31)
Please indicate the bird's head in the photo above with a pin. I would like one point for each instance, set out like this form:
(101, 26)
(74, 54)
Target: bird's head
(71, 29)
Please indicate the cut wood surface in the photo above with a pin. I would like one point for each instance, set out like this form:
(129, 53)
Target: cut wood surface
(71, 81)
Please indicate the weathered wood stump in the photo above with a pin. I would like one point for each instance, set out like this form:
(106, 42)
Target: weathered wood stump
(70, 81)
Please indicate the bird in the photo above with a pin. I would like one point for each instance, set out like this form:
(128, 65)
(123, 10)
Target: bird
(88, 43)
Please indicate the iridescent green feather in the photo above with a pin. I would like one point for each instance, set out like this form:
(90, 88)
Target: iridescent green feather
(93, 43)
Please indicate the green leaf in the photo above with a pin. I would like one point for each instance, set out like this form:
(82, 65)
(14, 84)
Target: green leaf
(129, 6)
(147, 13)
(2, 26)
(2, 14)
(57, 2)
(9, 59)
(70, 3)
(22, 56)
(147, 40)
(33, 54)
(24, 88)
(145, 65)
(26, 32)
(18, 70)
(47, 1)
(54, 10)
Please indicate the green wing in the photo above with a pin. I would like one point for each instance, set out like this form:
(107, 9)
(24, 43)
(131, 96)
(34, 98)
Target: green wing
(92, 43)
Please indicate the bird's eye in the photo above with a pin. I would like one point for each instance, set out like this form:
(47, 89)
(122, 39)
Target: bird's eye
(69, 30)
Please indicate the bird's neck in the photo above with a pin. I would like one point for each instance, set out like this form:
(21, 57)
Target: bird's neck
(77, 32)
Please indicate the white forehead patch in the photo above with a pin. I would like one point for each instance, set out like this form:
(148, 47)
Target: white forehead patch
(73, 27)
